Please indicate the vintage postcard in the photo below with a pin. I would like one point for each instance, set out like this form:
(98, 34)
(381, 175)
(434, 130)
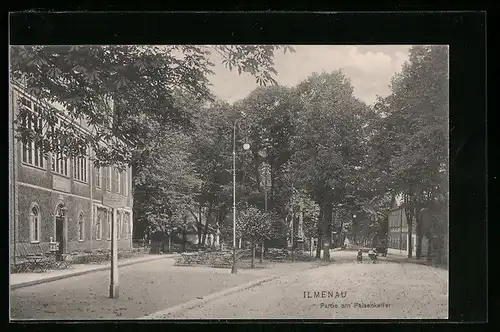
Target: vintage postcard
(170, 182)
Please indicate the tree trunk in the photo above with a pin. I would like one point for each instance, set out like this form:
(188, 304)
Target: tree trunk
(339, 235)
(318, 245)
(199, 227)
(199, 235)
(208, 220)
(418, 252)
(262, 253)
(170, 242)
(253, 254)
(326, 250)
(184, 239)
(205, 232)
(430, 243)
(409, 218)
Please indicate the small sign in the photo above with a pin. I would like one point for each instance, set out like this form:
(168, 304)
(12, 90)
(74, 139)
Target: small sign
(113, 201)
(60, 183)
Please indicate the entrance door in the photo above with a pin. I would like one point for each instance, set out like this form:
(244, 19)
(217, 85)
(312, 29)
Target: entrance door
(60, 235)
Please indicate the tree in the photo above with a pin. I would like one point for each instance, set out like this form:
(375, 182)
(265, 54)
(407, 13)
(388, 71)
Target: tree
(255, 225)
(301, 203)
(117, 91)
(164, 183)
(416, 128)
(210, 153)
(329, 144)
(271, 122)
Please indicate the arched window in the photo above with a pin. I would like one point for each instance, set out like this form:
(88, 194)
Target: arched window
(98, 225)
(126, 225)
(80, 227)
(35, 224)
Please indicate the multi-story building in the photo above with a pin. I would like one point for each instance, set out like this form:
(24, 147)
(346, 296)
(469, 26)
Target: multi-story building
(398, 230)
(60, 199)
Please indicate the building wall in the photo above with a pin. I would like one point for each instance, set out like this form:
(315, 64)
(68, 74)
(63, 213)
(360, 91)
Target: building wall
(398, 232)
(35, 185)
(398, 229)
(12, 180)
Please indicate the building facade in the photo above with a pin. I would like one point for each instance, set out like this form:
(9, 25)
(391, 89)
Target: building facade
(398, 237)
(59, 199)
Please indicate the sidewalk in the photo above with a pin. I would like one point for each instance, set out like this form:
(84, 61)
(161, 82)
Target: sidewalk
(18, 280)
(144, 290)
(401, 256)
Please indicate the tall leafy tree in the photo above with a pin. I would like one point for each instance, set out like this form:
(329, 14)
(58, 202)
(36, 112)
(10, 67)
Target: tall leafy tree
(270, 122)
(117, 91)
(254, 225)
(329, 144)
(210, 152)
(165, 183)
(417, 130)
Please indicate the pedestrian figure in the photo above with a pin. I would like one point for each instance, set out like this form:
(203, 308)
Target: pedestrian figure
(372, 254)
(359, 259)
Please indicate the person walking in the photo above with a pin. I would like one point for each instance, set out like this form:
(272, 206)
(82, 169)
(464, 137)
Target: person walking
(359, 258)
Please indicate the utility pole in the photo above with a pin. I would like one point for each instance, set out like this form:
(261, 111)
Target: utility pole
(113, 202)
(92, 210)
(265, 209)
(334, 236)
(293, 246)
(233, 267)
(300, 231)
(113, 281)
(401, 230)
(246, 146)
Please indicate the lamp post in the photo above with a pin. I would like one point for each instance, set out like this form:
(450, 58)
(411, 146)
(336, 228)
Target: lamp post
(246, 146)
(354, 218)
(265, 174)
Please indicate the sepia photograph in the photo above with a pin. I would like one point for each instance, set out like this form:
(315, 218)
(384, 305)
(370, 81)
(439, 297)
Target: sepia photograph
(238, 181)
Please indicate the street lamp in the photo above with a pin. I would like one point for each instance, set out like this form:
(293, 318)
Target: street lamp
(354, 217)
(265, 171)
(246, 146)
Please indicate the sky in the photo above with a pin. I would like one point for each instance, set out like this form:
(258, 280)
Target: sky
(370, 68)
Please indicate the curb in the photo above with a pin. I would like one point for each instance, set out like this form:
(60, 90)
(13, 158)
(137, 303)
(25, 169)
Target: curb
(163, 314)
(79, 273)
(416, 262)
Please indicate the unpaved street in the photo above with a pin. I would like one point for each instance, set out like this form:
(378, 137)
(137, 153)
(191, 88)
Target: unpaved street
(371, 291)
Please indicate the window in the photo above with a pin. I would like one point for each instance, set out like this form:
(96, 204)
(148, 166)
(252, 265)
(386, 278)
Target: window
(109, 216)
(117, 179)
(108, 179)
(98, 177)
(80, 227)
(125, 183)
(98, 225)
(32, 150)
(126, 225)
(80, 168)
(35, 224)
(59, 160)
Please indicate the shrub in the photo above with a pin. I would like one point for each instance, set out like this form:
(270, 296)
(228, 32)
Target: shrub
(216, 259)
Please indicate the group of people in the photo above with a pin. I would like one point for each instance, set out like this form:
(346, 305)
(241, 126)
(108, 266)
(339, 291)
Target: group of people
(372, 254)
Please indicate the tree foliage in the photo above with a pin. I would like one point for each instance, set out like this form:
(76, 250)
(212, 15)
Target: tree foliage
(118, 91)
(416, 124)
(254, 224)
(165, 183)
